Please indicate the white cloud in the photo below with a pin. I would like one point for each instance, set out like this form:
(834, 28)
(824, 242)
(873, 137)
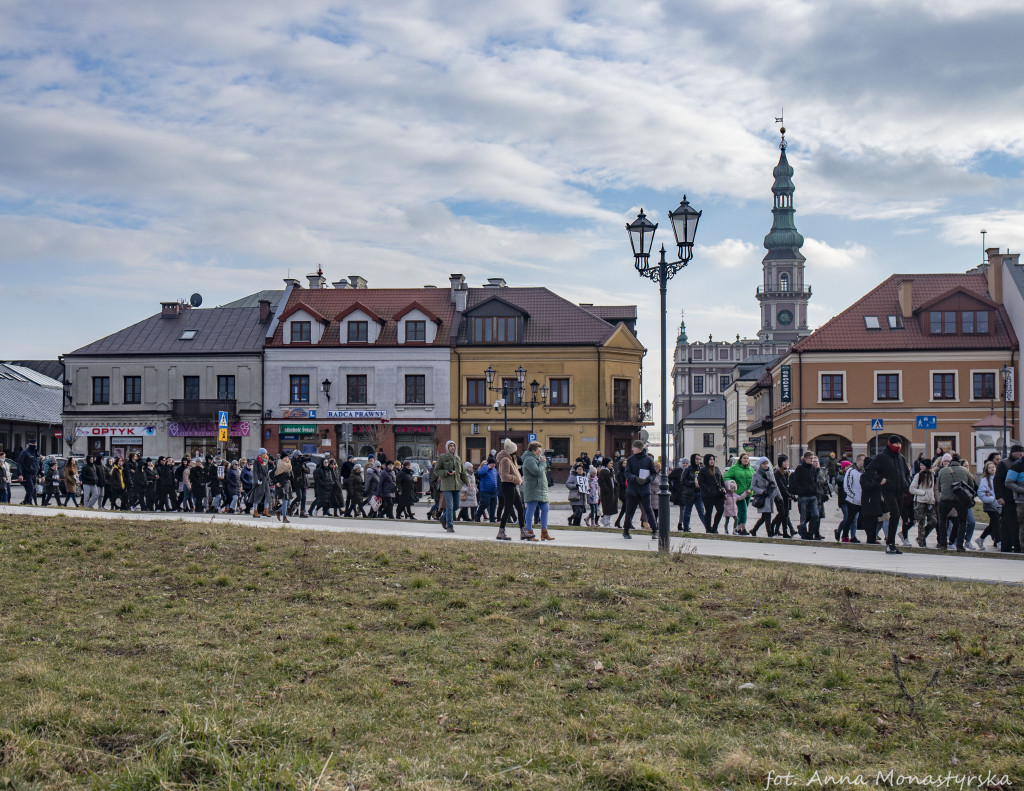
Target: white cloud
(733, 254)
(822, 254)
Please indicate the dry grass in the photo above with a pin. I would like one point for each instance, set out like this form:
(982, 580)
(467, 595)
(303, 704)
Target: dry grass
(171, 655)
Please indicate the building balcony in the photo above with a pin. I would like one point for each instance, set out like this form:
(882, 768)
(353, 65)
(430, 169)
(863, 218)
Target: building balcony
(774, 292)
(202, 409)
(628, 414)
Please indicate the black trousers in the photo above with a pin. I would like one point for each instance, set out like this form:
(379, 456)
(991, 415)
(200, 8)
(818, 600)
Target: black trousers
(511, 501)
(892, 504)
(1009, 529)
(960, 529)
(718, 505)
(644, 501)
(848, 528)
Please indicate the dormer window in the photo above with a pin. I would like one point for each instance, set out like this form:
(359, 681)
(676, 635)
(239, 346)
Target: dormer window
(358, 331)
(972, 322)
(416, 331)
(495, 329)
(302, 331)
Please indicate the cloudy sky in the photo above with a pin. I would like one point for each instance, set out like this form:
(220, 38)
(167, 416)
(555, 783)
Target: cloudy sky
(149, 150)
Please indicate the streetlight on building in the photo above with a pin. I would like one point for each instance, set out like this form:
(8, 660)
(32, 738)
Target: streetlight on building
(325, 388)
(1006, 372)
(509, 389)
(684, 221)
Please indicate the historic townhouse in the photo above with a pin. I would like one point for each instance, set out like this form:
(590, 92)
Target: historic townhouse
(919, 356)
(579, 364)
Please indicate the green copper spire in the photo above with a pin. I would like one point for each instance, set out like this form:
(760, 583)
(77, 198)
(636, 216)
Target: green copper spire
(681, 338)
(783, 241)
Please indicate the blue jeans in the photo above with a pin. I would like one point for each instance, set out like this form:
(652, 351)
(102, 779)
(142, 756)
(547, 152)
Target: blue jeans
(687, 509)
(535, 505)
(285, 502)
(810, 517)
(451, 504)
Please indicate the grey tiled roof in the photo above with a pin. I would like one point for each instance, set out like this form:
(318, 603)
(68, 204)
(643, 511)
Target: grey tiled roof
(29, 397)
(218, 330)
(552, 319)
(712, 411)
(253, 300)
(54, 369)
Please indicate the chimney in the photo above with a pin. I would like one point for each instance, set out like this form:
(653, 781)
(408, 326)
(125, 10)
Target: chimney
(495, 282)
(264, 311)
(355, 281)
(340, 284)
(906, 303)
(458, 282)
(292, 281)
(170, 310)
(317, 280)
(994, 273)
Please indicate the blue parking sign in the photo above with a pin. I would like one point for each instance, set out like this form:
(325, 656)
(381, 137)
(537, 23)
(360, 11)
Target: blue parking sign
(531, 437)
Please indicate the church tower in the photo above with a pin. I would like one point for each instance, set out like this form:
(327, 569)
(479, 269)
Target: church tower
(783, 294)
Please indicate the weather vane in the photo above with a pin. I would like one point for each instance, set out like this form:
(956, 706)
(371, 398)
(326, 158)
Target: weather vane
(782, 129)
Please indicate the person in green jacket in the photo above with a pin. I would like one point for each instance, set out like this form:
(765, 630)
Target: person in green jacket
(535, 491)
(451, 476)
(742, 473)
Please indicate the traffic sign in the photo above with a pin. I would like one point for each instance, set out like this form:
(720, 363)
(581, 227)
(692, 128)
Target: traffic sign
(927, 422)
(877, 424)
(222, 420)
(312, 413)
(531, 437)
(222, 435)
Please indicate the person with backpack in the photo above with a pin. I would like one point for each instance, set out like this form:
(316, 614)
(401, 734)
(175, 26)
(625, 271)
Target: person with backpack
(957, 491)
(922, 487)
(688, 497)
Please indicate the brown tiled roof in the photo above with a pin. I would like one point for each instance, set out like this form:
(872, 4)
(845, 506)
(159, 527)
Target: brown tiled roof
(552, 319)
(847, 331)
(218, 330)
(387, 303)
(612, 313)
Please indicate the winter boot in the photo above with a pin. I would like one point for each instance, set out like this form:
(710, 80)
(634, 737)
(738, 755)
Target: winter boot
(545, 536)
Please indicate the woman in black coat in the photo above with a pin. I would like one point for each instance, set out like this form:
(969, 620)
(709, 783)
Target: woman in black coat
(870, 503)
(355, 492)
(780, 524)
(712, 492)
(406, 483)
(337, 501)
(606, 485)
(321, 488)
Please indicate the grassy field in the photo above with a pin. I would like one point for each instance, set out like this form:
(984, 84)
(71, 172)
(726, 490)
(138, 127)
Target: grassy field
(168, 655)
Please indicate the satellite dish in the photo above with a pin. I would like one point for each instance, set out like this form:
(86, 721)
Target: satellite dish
(195, 300)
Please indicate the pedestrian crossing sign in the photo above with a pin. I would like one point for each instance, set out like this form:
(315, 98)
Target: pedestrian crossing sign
(877, 423)
(222, 420)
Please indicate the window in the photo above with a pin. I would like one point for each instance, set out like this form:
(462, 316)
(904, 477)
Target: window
(949, 322)
(415, 389)
(831, 387)
(982, 322)
(188, 335)
(495, 329)
(896, 323)
(620, 391)
(783, 282)
(984, 385)
(299, 389)
(476, 392)
(225, 387)
(967, 322)
(871, 323)
(888, 387)
(560, 450)
(709, 439)
(358, 331)
(974, 322)
(302, 331)
(191, 388)
(101, 389)
(510, 387)
(698, 384)
(935, 322)
(698, 354)
(559, 392)
(355, 385)
(133, 389)
(723, 383)
(943, 386)
(416, 331)
(943, 322)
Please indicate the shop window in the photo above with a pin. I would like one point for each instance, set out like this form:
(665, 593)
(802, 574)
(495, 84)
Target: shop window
(559, 392)
(559, 450)
(133, 389)
(101, 389)
(299, 389)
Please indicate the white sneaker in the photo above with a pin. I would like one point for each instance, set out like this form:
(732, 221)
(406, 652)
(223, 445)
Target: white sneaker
(906, 542)
(980, 543)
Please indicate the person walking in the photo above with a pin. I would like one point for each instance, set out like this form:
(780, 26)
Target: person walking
(763, 491)
(688, 494)
(89, 476)
(922, 487)
(355, 492)
(850, 484)
(232, 490)
(29, 466)
(535, 491)
(5, 478)
(953, 496)
(487, 490)
(804, 484)
(1010, 522)
(894, 480)
(781, 524)
(987, 495)
(406, 484)
(51, 484)
(711, 488)
(300, 482)
(283, 485)
(262, 489)
(593, 497)
(118, 486)
(743, 474)
(467, 497)
(321, 488)
(620, 481)
(451, 475)
(606, 482)
(71, 482)
(640, 472)
(511, 480)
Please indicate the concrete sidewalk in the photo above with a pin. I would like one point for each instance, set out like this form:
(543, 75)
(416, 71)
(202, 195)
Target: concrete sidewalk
(991, 567)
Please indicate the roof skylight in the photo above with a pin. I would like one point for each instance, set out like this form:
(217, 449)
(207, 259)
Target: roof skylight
(871, 323)
(188, 335)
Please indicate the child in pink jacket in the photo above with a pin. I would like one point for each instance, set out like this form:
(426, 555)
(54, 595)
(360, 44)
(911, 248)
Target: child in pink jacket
(731, 498)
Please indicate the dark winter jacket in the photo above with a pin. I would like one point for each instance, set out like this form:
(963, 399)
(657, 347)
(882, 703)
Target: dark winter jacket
(710, 484)
(803, 481)
(892, 467)
(88, 475)
(406, 484)
(635, 485)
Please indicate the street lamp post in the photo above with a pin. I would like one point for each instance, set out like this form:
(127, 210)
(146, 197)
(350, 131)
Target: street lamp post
(325, 388)
(533, 402)
(508, 390)
(684, 221)
(1005, 372)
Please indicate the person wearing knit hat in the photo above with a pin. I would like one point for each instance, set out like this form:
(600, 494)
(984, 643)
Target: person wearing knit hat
(451, 476)
(512, 502)
(894, 478)
(763, 490)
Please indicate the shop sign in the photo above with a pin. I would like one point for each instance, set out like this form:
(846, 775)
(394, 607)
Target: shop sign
(115, 431)
(785, 386)
(296, 412)
(357, 414)
(239, 429)
(414, 429)
(300, 428)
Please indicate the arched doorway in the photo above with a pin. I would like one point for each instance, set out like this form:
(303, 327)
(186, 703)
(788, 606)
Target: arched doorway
(826, 444)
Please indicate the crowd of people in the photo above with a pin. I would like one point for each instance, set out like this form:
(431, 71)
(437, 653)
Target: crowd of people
(881, 498)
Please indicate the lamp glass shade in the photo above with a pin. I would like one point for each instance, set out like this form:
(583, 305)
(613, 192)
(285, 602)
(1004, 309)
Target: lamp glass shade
(520, 374)
(489, 374)
(543, 391)
(641, 235)
(533, 387)
(684, 225)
